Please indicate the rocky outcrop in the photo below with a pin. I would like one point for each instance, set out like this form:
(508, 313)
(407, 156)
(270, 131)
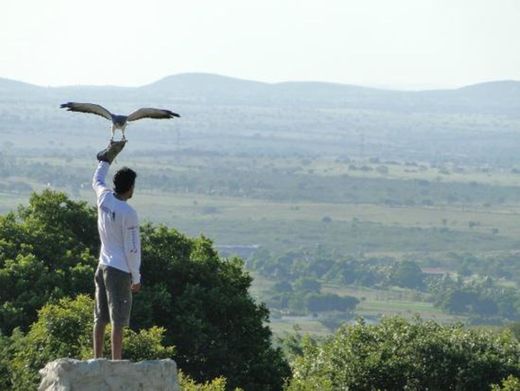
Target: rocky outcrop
(103, 375)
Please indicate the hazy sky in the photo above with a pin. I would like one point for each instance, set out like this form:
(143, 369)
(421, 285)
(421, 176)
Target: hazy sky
(393, 43)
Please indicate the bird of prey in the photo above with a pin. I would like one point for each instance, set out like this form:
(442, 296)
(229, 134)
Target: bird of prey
(118, 121)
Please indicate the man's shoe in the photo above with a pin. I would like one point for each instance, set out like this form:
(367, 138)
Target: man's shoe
(109, 153)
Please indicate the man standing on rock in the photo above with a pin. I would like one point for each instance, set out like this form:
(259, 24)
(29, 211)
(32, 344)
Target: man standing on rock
(117, 275)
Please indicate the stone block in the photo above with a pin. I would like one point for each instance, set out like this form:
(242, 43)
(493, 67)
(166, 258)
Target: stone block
(67, 374)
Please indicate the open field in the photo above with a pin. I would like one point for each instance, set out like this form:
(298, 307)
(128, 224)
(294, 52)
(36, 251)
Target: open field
(348, 226)
(374, 304)
(321, 166)
(233, 220)
(352, 228)
(289, 203)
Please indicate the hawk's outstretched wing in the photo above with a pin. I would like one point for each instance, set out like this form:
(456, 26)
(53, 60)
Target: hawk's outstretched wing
(151, 113)
(87, 108)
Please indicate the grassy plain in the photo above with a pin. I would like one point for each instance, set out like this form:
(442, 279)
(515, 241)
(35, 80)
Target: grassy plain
(374, 304)
(476, 221)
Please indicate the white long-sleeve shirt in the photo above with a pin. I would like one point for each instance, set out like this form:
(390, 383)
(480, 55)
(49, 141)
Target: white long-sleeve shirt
(118, 228)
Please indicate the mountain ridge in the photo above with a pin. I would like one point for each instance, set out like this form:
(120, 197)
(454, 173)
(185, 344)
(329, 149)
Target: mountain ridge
(493, 97)
(193, 76)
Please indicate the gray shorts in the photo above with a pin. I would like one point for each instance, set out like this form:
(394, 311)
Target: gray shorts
(113, 296)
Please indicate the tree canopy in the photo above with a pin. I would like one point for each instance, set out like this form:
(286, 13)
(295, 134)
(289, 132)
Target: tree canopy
(48, 252)
(399, 355)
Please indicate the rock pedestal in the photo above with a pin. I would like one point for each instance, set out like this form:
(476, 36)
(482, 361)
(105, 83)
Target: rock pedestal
(66, 374)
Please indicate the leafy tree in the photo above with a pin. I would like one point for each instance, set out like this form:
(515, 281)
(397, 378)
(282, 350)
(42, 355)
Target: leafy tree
(407, 274)
(210, 317)
(67, 225)
(515, 329)
(511, 383)
(188, 384)
(64, 329)
(399, 354)
(483, 298)
(330, 302)
(48, 252)
(6, 354)
(291, 343)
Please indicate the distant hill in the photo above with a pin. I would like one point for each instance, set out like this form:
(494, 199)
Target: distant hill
(499, 97)
(492, 97)
(8, 85)
(225, 114)
(12, 89)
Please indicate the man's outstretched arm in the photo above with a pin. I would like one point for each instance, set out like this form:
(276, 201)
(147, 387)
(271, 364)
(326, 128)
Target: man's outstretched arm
(105, 158)
(98, 180)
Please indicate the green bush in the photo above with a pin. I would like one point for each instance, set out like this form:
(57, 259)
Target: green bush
(210, 317)
(64, 329)
(398, 354)
(5, 358)
(330, 302)
(199, 301)
(188, 384)
(46, 252)
(511, 383)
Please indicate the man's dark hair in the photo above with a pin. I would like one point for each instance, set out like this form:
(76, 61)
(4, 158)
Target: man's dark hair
(124, 179)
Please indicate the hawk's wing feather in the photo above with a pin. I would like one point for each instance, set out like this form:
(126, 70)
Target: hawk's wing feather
(87, 108)
(151, 113)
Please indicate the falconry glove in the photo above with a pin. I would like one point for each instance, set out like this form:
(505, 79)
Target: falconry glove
(109, 153)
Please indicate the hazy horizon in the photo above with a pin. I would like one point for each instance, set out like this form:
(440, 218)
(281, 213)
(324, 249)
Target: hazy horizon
(411, 87)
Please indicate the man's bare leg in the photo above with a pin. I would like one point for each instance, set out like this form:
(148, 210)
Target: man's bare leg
(98, 337)
(117, 342)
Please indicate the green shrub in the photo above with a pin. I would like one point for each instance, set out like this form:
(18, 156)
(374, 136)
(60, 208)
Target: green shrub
(64, 329)
(188, 384)
(398, 354)
(511, 383)
(200, 300)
